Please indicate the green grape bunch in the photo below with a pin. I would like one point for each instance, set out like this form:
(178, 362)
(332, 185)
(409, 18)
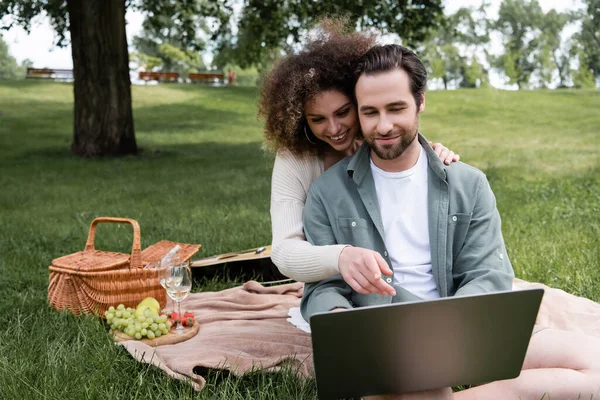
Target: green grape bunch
(138, 325)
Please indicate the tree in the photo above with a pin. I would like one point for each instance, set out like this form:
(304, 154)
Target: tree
(280, 24)
(9, 68)
(550, 56)
(99, 47)
(160, 46)
(444, 62)
(583, 75)
(589, 36)
(474, 74)
(102, 89)
(451, 50)
(518, 22)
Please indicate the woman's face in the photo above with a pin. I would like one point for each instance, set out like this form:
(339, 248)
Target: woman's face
(332, 118)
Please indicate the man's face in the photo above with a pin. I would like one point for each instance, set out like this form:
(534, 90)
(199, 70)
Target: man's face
(388, 113)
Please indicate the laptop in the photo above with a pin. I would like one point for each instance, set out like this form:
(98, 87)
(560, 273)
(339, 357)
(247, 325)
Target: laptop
(409, 347)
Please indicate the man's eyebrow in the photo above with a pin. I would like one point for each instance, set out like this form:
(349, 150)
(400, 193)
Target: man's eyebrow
(338, 110)
(365, 108)
(395, 103)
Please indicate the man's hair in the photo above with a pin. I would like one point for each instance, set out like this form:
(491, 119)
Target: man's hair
(389, 57)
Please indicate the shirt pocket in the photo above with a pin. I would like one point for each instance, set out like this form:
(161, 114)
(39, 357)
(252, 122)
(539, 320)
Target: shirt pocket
(458, 226)
(357, 232)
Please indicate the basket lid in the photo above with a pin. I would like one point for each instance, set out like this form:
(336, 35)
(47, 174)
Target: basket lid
(92, 260)
(158, 250)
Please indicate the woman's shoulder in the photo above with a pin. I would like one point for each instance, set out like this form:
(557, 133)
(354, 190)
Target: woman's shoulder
(292, 170)
(286, 160)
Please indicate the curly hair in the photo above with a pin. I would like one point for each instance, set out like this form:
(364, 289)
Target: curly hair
(327, 62)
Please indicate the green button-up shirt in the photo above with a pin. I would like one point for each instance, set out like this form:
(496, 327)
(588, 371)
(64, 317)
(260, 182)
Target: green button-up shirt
(468, 255)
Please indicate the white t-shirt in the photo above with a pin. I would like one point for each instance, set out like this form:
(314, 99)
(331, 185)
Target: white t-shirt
(403, 203)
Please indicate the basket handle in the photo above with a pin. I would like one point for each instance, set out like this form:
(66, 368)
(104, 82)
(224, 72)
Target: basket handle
(136, 249)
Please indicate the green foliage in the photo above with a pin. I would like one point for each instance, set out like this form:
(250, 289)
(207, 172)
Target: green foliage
(550, 56)
(533, 51)
(474, 74)
(266, 25)
(202, 178)
(163, 43)
(184, 14)
(441, 52)
(9, 68)
(21, 13)
(589, 36)
(243, 76)
(446, 62)
(471, 27)
(583, 76)
(149, 63)
(518, 22)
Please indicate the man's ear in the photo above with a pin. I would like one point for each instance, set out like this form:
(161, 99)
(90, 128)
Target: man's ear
(422, 106)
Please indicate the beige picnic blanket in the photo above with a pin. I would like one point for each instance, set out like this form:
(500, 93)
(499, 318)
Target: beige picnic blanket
(241, 329)
(564, 311)
(246, 328)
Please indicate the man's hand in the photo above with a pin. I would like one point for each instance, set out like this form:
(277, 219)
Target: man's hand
(362, 270)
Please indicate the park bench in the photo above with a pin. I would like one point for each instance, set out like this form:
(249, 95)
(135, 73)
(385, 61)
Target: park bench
(206, 77)
(49, 73)
(159, 76)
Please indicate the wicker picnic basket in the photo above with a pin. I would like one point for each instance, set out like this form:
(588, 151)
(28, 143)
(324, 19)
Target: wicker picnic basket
(90, 281)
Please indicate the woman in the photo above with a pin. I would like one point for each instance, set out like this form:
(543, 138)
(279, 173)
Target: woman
(311, 122)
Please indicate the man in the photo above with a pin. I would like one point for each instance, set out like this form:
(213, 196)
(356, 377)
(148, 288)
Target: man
(436, 225)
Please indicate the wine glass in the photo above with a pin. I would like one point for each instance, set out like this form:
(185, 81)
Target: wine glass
(179, 284)
(164, 273)
(172, 258)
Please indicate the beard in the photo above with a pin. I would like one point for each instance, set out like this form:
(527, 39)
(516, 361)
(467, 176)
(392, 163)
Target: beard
(393, 151)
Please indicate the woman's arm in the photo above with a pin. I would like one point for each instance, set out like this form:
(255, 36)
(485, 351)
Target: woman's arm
(291, 253)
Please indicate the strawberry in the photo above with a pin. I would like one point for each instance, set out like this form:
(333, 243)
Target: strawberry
(174, 316)
(188, 315)
(189, 321)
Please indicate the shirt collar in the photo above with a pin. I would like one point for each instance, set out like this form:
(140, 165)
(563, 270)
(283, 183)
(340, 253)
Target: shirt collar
(359, 164)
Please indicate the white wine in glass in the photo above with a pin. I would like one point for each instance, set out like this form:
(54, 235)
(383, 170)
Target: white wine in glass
(172, 259)
(164, 274)
(179, 284)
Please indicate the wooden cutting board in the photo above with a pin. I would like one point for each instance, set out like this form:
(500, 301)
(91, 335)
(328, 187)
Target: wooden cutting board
(169, 338)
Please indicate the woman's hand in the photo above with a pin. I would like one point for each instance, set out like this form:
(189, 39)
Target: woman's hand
(362, 270)
(445, 154)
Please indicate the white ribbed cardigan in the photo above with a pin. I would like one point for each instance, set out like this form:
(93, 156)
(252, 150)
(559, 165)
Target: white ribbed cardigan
(291, 253)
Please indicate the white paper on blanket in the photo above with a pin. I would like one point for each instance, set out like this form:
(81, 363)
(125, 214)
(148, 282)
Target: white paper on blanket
(297, 320)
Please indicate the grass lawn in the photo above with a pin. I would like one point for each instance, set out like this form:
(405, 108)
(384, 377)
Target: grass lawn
(202, 178)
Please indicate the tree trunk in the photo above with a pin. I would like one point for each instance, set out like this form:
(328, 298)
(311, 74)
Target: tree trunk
(102, 88)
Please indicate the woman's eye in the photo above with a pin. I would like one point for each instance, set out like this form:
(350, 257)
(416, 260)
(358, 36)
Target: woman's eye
(343, 113)
(316, 120)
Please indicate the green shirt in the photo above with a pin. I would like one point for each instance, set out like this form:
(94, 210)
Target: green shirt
(468, 255)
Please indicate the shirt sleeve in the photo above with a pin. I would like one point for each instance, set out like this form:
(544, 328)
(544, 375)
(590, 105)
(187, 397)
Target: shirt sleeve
(482, 264)
(332, 292)
(291, 253)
